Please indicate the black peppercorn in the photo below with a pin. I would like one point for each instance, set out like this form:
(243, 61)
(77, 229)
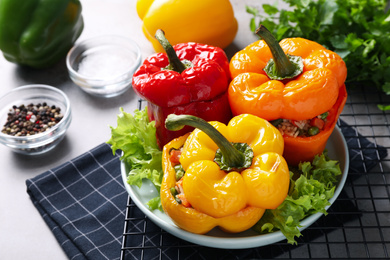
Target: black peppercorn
(32, 119)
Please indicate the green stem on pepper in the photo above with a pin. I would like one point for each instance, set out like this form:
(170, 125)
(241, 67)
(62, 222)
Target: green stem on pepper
(230, 156)
(282, 66)
(174, 61)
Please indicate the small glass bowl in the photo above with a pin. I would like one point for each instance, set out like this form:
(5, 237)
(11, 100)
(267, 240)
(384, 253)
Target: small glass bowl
(103, 66)
(33, 94)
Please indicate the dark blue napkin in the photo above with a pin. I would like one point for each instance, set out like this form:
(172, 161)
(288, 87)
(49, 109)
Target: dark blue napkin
(364, 155)
(84, 200)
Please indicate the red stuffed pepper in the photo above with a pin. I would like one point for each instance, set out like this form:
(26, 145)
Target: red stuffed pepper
(189, 78)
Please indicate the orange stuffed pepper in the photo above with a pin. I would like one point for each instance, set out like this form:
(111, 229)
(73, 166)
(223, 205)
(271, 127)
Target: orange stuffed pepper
(296, 84)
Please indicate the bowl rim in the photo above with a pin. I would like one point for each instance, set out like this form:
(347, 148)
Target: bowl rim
(64, 121)
(93, 40)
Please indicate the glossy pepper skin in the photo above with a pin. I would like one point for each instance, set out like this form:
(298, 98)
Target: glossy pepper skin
(233, 200)
(38, 33)
(200, 90)
(318, 89)
(201, 21)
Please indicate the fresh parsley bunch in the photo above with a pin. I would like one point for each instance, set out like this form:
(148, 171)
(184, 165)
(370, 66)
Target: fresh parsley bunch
(359, 31)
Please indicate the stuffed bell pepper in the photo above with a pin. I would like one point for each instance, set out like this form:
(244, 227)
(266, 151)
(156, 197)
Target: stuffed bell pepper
(39, 33)
(223, 175)
(296, 84)
(190, 78)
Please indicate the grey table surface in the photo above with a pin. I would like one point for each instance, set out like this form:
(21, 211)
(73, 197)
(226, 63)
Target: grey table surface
(23, 233)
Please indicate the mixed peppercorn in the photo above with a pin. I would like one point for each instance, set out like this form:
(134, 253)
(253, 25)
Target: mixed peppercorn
(31, 119)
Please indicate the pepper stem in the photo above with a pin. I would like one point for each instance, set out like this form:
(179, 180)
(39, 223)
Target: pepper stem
(233, 158)
(174, 61)
(282, 65)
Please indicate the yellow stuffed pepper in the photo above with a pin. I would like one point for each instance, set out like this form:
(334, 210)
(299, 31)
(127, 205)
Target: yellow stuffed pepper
(223, 175)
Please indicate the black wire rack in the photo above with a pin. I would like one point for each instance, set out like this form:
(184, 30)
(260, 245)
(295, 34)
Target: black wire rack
(357, 225)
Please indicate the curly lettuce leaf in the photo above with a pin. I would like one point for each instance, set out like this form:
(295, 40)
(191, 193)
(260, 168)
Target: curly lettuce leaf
(312, 185)
(135, 136)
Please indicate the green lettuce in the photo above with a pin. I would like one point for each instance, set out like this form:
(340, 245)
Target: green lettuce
(312, 185)
(135, 136)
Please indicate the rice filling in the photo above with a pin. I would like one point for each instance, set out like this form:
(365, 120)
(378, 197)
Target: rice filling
(301, 128)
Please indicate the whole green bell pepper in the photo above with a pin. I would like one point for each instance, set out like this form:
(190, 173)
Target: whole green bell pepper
(38, 33)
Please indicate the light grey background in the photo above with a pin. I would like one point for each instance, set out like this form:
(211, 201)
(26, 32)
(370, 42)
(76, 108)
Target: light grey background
(23, 233)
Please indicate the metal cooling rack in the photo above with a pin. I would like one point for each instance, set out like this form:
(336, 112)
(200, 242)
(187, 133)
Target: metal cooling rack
(358, 223)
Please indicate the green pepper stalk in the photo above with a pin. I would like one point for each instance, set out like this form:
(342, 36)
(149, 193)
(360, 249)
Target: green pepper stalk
(175, 63)
(282, 66)
(230, 156)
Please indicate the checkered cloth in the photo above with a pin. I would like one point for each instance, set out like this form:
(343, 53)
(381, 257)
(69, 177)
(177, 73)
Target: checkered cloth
(364, 155)
(83, 201)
